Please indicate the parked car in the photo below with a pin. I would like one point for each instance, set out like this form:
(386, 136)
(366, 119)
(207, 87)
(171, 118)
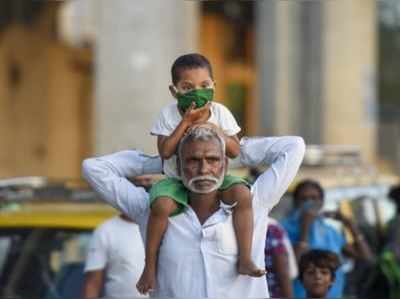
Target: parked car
(45, 228)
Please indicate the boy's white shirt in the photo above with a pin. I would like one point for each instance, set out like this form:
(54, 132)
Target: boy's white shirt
(170, 118)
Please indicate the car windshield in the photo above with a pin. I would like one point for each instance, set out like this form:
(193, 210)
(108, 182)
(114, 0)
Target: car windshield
(42, 263)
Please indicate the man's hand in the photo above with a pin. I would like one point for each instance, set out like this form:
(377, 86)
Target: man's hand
(197, 115)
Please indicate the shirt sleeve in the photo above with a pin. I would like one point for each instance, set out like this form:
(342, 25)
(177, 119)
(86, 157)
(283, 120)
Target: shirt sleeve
(275, 237)
(97, 253)
(283, 155)
(227, 121)
(108, 175)
(163, 125)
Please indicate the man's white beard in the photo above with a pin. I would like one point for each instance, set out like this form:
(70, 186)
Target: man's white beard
(191, 185)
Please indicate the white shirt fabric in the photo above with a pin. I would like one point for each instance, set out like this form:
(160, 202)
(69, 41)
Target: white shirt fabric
(170, 118)
(117, 247)
(199, 261)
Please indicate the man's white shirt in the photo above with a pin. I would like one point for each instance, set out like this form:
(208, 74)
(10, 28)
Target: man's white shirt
(117, 248)
(170, 118)
(199, 261)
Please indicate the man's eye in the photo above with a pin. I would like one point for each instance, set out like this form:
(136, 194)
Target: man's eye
(213, 160)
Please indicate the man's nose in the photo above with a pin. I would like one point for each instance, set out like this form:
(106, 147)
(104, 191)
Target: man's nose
(204, 167)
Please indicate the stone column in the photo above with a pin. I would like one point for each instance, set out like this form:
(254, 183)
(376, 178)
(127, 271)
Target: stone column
(277, 61)
(135, 47)
(317, 71)
(349, 94)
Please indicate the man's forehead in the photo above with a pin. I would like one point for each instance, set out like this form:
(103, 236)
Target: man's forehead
(198, 147)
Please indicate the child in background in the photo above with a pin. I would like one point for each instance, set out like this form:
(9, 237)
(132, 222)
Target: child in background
(193, 87)
(317, 272)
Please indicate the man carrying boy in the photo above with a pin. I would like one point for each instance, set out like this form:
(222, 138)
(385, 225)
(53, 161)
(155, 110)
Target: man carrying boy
(193, 88)
(198, 255)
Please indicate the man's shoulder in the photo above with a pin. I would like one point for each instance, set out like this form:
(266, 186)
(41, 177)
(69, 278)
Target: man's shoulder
(276, 228)
(108, 225)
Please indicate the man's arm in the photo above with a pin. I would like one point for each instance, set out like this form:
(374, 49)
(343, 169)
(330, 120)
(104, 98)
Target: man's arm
(93, 284)
(108, 176)
(283, 155)
(281, 267)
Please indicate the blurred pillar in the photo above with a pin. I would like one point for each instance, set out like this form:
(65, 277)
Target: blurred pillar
(317, 70)
(350, 43)
(277, 56)
(135, 47)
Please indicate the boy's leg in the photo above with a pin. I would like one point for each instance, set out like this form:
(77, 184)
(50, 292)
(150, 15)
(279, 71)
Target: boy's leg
(243, 225)
(161, 209)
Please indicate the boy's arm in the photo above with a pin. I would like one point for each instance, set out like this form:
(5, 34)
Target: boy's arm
(232, 146)
(167, 145)
(108, 175)
(283, 155)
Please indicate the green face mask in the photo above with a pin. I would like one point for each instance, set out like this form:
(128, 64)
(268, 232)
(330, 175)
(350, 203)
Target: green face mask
(199, 96)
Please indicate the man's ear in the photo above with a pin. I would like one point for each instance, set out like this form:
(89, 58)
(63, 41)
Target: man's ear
(172, 90)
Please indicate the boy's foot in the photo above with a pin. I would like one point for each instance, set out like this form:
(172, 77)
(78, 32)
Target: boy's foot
(147, 281)
(248, 268)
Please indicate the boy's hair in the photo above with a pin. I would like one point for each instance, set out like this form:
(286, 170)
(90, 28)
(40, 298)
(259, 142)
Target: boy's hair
(189, 61)
(320, 259)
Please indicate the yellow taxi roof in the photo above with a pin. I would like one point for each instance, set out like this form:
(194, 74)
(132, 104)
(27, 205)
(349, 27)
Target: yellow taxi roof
(58, 214)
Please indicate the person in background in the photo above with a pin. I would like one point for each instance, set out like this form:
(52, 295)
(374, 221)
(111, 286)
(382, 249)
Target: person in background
(307, 229)
(389, 258)
(393, 230)
(115, 257)
(280, 261)
(317, 272)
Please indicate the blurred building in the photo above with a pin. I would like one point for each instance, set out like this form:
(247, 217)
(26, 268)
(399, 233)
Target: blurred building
(85, 77)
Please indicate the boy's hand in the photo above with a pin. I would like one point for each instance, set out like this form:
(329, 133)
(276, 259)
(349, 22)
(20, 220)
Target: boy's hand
(197, 116)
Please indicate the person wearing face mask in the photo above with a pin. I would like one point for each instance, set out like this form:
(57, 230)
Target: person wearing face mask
(193, 88)
(307, 229)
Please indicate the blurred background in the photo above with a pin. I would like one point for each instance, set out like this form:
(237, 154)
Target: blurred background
(85, 77)
(88, 77)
